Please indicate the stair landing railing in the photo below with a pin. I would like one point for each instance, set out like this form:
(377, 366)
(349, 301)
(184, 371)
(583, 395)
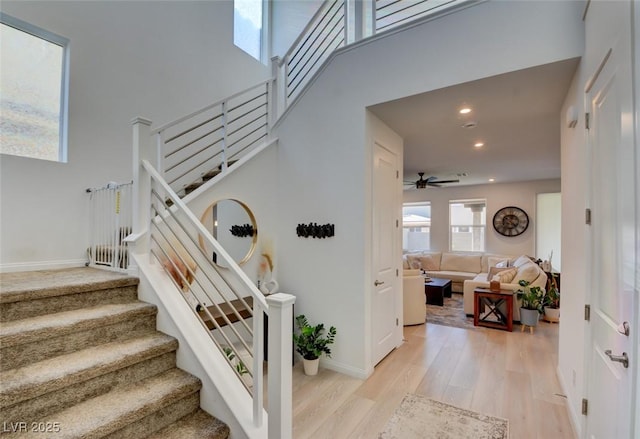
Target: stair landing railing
(226, 302)
(338, 23)
(211, 138)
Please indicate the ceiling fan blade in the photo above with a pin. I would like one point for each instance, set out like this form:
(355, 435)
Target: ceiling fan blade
(434, 184)
(447, 181)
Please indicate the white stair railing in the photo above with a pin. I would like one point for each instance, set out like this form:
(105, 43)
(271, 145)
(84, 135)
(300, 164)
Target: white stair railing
(213, 137)
(223, 300)
(338, 23)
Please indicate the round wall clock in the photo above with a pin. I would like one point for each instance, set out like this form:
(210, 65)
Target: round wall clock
(510, 221)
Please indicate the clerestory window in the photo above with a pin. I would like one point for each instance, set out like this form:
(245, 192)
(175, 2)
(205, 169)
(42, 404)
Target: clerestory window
(33, 91)
(248, 35)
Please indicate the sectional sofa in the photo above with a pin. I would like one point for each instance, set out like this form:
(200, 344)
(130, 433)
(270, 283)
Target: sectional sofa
(470, 271)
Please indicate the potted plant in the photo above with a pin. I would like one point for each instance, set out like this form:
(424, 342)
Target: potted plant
(531, 306)
(551, 301)
(311, 342)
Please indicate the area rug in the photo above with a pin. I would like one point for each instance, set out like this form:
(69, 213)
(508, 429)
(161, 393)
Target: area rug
(424, 418)
(451, 314)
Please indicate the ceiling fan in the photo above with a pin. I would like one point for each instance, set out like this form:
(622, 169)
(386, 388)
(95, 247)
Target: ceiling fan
(422, 183)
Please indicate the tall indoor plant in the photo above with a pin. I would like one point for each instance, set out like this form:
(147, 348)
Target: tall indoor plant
(311, 342)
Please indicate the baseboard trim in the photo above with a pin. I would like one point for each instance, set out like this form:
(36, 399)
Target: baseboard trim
(342, 368)
(574, 418)
(42, 265)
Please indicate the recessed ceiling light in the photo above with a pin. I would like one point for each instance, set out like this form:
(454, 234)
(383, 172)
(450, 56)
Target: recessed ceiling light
(492, 180)
(471, 124)
(478, 145)
(465, 110)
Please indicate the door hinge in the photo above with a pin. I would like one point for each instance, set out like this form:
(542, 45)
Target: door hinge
(587, 216)
(586, 120)
(587, 313)
(585, 406)
(397, 223)
(397, 174)
(397, 272)
(397, 322)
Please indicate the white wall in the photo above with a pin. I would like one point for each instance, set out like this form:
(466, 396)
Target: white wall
(549, 228)
(324, 163)
(158, 60)
(521, 194)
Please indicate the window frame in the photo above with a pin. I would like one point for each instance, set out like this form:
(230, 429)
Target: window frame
(416, 204)
(483, 227)
(64, 43)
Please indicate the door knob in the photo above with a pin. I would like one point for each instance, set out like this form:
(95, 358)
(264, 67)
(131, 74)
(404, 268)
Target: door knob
(624, 358)
(377, 283)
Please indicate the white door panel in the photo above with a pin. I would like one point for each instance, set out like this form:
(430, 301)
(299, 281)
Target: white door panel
(385, 288)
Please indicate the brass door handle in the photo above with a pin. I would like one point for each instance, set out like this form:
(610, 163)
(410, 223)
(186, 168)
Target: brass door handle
(378, 283)
(624, 358)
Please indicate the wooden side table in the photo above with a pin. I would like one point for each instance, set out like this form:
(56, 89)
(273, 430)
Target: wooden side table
(495, 318)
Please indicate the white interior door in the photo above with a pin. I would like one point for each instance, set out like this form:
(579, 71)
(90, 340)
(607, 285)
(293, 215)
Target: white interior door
(610, 384)
(385, 285)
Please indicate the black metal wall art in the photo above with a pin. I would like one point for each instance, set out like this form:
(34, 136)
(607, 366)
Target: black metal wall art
(242, 231)
(314, 230)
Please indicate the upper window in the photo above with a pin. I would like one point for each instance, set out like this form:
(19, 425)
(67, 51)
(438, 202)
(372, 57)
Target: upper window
(467, 225)
(247, 26)
(416, 226)
(33, 91)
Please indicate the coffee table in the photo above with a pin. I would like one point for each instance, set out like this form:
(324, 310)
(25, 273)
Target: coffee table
(436, 290)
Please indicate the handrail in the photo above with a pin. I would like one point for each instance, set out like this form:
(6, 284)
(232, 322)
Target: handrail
(201, 229)
(208, 107)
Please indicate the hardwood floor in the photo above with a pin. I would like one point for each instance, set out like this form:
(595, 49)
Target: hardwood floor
(510, 375)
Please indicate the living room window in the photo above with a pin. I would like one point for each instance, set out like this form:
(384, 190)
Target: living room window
(248, 16)
(467, 225)
(33, 91)
(416, 226)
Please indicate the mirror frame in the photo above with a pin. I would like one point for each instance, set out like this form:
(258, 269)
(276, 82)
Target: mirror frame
(252, 218)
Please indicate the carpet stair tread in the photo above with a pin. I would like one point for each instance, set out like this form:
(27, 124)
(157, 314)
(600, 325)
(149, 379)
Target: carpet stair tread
(52, 325)
(199, 425)
(108, 413)
(33, 285)
(55, 373)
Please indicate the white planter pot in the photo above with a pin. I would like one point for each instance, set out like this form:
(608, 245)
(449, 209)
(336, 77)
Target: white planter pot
(552, 314)
(311, 366)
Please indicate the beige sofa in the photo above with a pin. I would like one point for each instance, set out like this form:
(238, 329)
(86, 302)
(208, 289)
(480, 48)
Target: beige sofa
(414, 312)
(458, 267)
(521, 268)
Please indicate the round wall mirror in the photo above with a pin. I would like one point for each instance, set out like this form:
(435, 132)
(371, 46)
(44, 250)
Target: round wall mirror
(233, 225)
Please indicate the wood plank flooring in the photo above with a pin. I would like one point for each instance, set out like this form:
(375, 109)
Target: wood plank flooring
(510, 375)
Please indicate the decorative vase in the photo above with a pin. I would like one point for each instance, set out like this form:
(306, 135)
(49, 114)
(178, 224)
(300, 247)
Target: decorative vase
(529, 317)
(311, 366)
(552, 314)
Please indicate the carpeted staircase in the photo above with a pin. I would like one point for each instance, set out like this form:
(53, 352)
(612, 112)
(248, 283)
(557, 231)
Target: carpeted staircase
(80, 358)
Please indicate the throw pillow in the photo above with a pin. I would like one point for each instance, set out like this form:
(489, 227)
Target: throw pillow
(505, 276)
(495, 270)
(527, 272)
(521, 261)
(497, 262)
(429, 263)
(414, 261)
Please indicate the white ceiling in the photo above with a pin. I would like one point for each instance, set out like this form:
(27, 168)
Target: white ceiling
(518, 120)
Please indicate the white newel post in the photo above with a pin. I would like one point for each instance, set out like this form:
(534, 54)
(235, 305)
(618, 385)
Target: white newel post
(141, 192)
(279, 88)
(279, 371)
